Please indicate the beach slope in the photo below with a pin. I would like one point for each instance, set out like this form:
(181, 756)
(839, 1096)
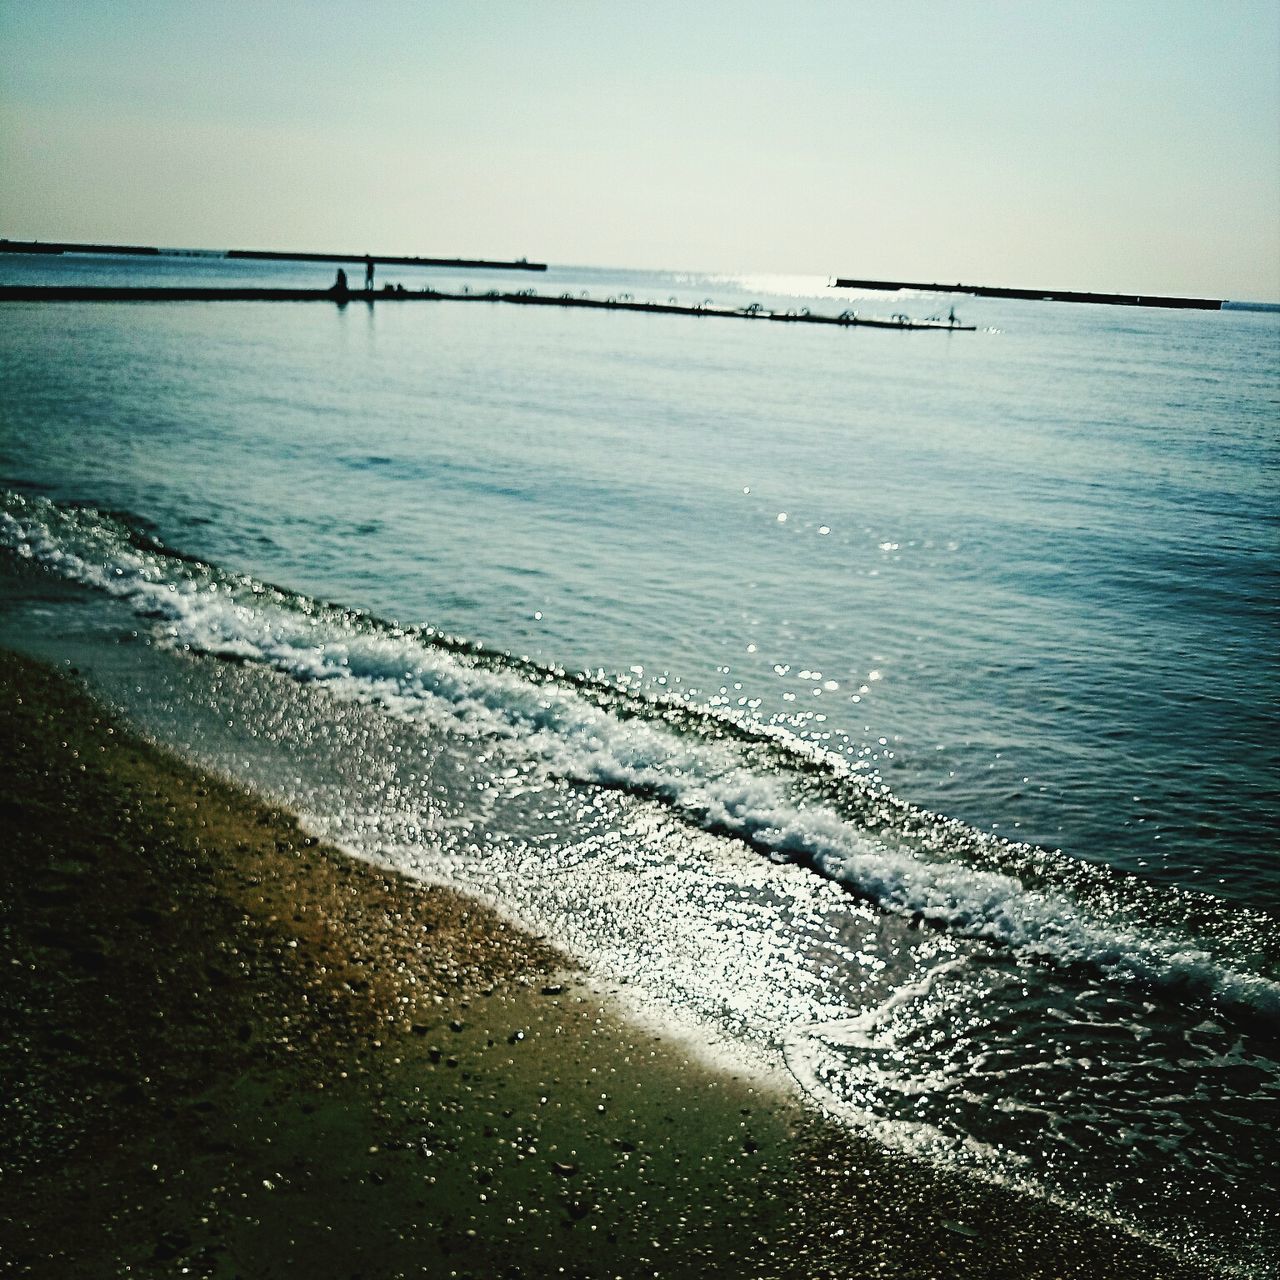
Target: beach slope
(229, 1050)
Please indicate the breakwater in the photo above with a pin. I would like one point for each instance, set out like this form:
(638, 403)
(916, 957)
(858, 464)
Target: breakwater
(157, 293)
(1037, 295)
(55, 248)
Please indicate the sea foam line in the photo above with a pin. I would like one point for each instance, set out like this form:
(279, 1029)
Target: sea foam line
(554, 726)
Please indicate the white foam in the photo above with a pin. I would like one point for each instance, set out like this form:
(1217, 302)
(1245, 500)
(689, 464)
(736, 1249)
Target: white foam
(551, 726)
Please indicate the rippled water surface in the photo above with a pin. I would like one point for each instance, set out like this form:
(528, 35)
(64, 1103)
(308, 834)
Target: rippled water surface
(897, 707)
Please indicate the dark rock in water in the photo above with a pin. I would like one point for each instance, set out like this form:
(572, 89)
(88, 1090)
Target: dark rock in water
(960, 1228)
(455, 1025)
(553, 989)
(564, 1170)
(421, 1028)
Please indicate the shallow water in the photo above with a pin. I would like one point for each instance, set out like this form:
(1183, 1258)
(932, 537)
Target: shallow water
(802, 781)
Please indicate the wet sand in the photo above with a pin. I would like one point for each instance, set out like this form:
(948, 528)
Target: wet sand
(229, 1050)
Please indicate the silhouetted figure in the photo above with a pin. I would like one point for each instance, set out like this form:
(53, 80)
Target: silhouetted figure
(951, 319)
(340, 289)
(368, 274)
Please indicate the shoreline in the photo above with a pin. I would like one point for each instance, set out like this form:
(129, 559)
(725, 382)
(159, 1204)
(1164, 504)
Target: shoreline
(233, 1049)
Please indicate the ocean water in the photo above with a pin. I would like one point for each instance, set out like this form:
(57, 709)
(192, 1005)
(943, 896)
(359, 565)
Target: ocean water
(895, 709)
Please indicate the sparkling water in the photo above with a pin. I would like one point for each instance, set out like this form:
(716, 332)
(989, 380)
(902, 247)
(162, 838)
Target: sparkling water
(895, 709)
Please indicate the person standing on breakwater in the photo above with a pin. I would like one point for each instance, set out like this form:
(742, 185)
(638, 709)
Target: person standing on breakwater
(368, 274)
(340, 286)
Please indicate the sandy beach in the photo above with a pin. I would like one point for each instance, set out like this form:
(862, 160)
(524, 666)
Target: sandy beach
(232, 1051)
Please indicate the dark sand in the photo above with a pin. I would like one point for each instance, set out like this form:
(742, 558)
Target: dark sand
(227, 1050)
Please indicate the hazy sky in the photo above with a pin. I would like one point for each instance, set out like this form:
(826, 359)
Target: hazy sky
(1120, 145)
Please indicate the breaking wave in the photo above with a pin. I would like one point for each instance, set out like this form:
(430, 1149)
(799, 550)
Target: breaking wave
(786, 797)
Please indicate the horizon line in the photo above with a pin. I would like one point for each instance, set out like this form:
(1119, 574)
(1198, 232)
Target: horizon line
(1105, 297)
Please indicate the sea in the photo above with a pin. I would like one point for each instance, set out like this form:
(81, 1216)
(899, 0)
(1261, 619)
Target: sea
(890, 710)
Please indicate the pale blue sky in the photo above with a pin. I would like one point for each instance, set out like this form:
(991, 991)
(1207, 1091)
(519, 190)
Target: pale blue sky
(1131, 146)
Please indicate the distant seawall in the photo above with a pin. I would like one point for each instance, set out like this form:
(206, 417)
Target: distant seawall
(266, 255)
(1038, 295)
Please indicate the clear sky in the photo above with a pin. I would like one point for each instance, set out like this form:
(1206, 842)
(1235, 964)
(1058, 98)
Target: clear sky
(1130, 145)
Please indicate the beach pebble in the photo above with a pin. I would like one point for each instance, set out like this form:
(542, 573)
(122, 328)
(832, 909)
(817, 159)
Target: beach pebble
(564, 1170)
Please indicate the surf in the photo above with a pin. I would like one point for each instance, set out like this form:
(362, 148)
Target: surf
(786, 797)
